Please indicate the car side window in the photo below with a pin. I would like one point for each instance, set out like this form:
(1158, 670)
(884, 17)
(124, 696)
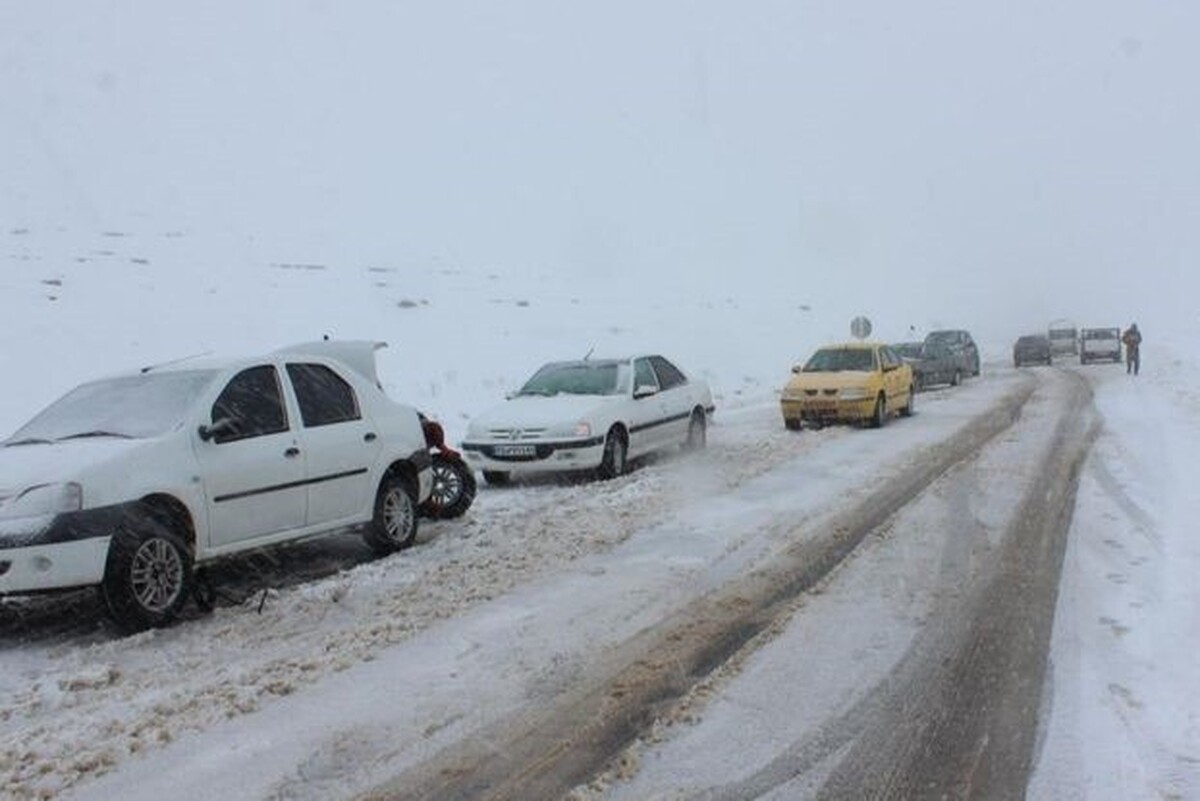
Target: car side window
(668, 374)
(325, 397)
(887, 358)
(253, 403)
(643, 375)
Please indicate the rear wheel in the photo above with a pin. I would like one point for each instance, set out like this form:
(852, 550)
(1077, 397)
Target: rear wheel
(956, 379)
(148, 576)
(394, 526)
(909, 407)
(616, 450)
(792, 423)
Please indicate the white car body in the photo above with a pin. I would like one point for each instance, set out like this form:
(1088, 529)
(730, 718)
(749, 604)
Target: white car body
(61, 499)
(532, 433)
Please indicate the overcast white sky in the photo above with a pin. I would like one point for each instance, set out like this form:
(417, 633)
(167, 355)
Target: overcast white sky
(922, 161)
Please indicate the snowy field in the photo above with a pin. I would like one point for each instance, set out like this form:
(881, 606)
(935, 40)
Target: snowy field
(340, 682)
(490, 188)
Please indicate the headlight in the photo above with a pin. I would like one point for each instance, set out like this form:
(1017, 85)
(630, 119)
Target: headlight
(582, 429)
(43, 500)
(853, 393)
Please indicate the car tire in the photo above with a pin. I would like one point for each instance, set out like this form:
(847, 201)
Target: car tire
(453, 490)
(497, 478)
(697, 432)
(879, 415)
(909, 408)
(792, 423)
(394, 525)
(616, 452)
(956, 379)
(147, 577)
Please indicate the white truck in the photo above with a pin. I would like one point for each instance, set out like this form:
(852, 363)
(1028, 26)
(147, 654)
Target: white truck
(1064, 338)
(1100, 344)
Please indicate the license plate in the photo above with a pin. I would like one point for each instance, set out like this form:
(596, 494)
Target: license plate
(515, 450)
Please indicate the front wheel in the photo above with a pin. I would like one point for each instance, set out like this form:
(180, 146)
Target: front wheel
(792, 423)
(148, 576)
(910, 405)
(879, 417)
(616, 450)
(956, 379)
(394, 526)
(453, 488)
(697, 432)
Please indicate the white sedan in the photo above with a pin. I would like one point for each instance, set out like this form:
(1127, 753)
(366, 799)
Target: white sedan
(130, 482)
(593, 414)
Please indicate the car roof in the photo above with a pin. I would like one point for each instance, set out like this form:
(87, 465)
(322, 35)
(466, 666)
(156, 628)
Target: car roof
(358, 355)
(857, 345)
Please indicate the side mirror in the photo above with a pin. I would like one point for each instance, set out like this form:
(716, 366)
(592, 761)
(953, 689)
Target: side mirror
(644, 391)
(797, 368)
(219, 427)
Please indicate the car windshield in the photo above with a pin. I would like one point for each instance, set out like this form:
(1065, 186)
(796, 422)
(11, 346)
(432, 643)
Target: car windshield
(942, 337)
(908, 350)
(1062, 333)
(833, 360)
(130, 406)
(575, 378)
(1100, 334)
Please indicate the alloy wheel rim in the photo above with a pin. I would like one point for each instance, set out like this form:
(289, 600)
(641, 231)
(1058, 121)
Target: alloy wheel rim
(397, 513)
(156, 575)
(447, 486)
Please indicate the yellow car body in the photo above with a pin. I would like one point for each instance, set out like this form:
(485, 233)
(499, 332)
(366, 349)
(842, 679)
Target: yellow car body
(849, 382)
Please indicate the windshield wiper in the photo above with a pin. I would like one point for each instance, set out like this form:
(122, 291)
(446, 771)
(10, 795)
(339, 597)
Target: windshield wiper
(27, 441)
(541, 393)
(86, 434)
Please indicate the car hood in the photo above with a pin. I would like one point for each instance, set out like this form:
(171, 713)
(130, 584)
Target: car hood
(830, 380)
(23, 466)
(533, 411)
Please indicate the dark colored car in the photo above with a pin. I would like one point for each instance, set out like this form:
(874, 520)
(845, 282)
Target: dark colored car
(960, 343)
(932, 365)
(1032, 349)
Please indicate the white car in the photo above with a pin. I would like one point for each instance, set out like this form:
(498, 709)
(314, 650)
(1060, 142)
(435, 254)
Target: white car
(130, 482)
(593, 414)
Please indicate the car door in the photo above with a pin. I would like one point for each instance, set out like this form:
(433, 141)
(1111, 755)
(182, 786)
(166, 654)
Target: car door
(893, 377)
(646, 412)
(251, 465)
(341, 445)
(675, 395)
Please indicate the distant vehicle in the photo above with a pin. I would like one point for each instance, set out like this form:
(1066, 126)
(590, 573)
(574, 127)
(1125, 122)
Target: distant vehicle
(1064, 338)
(932, 365)
(1031, 349)
(593, 414)
(960, 343)
(1100, 344)
(130, 482)
(852, 382)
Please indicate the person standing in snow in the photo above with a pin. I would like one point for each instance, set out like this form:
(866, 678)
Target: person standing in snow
(1133, 349)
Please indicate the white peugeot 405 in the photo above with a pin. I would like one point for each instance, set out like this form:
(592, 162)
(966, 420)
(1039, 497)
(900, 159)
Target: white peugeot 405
(593, 414)
(129, 482)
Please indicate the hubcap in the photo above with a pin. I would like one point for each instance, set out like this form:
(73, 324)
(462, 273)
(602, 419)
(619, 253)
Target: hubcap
(156, 575)
(397, 513)
(447, 486)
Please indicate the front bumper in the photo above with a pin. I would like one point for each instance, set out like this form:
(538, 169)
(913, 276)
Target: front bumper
(535, 457)
(52, 566)
(827, 410)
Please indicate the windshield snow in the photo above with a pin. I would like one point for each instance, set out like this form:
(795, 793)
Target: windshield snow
(130, 406)
(833, 360)
(575, 378)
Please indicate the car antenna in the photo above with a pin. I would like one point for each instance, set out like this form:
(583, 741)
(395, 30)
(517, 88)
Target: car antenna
(150, 367)
(588, 355)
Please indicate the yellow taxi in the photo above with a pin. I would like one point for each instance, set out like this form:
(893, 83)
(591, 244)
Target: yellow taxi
(851, 382)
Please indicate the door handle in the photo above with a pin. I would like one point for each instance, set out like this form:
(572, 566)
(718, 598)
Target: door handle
(292, 452)
(369, 436)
